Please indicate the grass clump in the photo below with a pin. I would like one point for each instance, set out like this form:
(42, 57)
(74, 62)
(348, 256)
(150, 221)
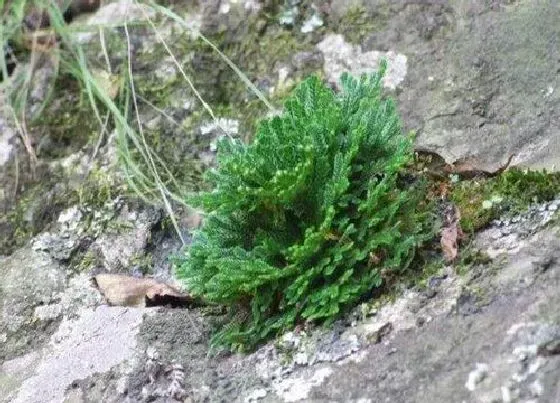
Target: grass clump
(308, 219)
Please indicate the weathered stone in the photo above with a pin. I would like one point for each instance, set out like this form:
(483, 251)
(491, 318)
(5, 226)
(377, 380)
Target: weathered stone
(28, 279)
(341, 56)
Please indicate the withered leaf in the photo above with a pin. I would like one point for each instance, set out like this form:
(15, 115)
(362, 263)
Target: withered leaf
(123, 290)
(449, 243)
(451, 233)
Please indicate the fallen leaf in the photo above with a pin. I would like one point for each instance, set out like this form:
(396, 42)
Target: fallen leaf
(451, 233)
(449, 243)
(126, 290)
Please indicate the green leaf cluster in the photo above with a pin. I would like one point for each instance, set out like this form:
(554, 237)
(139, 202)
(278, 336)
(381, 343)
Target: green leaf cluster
(309, 218)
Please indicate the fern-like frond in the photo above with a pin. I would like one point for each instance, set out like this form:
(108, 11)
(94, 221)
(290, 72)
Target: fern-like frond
(301, 222)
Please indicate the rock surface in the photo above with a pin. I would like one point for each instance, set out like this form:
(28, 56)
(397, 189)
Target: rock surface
(477, 80)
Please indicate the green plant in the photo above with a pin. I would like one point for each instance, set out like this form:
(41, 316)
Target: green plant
(309, 218)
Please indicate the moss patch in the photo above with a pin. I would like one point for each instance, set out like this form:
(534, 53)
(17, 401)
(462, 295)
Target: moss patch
(66, 124)
(483, 199)
(358, 23)
(96, 189)
(38, 205)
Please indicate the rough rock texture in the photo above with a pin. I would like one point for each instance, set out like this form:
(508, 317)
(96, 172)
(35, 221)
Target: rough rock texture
(439, 360)
(95, 342)
(488, 335)
(477, 80)
(341, 57)
(482, 79)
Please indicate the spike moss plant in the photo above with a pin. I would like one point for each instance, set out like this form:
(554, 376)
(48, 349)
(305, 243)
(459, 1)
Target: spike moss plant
(309, 218)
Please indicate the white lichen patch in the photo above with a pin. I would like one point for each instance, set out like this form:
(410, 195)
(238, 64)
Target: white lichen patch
(294, 389)
(341, 56)
(315, 21)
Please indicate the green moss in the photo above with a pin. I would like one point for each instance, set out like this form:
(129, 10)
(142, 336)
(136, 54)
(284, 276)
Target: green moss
(523, 187)
(84, 262)
(469, 196)
(144, 263)
(482, 199)
(96, 189)
(66, 124)
(358, 23)
(470, 257)
(42, 201)
(33, 210)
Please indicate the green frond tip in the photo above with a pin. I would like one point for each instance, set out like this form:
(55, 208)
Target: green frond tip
(302, 223)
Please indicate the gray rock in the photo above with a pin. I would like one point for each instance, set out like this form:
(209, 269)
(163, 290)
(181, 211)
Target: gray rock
(99, 340)
(341, 56)
(59, 246)
(504, 81)
(114, 13)
(28, 279)
(119, 248)
(474, 79)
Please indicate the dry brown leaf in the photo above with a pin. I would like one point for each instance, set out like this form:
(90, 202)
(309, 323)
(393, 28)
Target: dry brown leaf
(125, 290)
(449, 243)
(451, 233)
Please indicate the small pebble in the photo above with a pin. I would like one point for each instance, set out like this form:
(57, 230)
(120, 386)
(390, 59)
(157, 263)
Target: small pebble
(496, 235)
(256, 395)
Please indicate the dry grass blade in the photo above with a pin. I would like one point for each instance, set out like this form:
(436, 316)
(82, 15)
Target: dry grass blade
(26, 140)
(182, 71)
(161, 187)
(108, 115)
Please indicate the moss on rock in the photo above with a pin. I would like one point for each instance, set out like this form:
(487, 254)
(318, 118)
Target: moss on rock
(482, 199)
(359, 22)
